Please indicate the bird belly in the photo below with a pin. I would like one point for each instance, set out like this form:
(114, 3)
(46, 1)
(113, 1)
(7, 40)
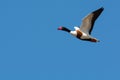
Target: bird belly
(85, 36)
(80, 35)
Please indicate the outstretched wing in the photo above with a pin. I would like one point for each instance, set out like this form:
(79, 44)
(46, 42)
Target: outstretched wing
(88, 21)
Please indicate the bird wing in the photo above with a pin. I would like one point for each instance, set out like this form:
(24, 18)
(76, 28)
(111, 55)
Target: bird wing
(89, 20)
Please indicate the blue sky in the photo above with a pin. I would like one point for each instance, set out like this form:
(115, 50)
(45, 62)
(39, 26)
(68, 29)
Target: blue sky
(31, 47)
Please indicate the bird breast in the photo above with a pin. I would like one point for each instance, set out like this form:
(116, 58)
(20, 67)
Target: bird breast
(79, 33)
(76, 33)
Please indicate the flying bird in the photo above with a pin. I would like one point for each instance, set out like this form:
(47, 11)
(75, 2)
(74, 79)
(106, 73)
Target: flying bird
(84, 31)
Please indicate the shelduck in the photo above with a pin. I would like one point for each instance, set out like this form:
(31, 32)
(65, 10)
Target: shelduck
(84, 31)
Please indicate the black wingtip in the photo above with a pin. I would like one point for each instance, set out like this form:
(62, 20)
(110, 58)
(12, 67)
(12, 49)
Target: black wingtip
(96, 14)
(102, 8)
(98, 11)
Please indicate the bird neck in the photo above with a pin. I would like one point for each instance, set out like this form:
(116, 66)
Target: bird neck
(66, 29)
